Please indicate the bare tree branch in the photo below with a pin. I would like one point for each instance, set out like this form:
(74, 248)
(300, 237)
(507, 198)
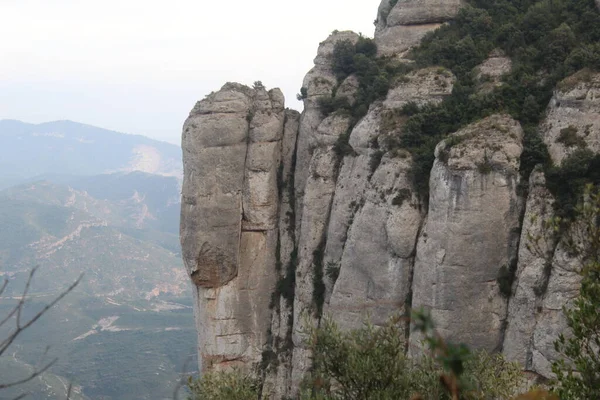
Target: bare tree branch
(24, 295)
(4, 284)
(31, 376)
(21, 325)
(5, 344)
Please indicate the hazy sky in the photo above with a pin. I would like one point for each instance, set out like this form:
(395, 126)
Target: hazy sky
(138, 66)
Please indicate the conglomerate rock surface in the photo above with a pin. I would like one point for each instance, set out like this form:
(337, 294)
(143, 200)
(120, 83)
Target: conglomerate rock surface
(279, 228)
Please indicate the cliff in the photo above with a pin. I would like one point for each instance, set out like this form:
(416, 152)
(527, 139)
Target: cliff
(288, 217)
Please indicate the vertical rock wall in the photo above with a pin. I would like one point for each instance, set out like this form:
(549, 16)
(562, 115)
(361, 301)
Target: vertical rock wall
(278, 229)
(473, 211)
(232, 144)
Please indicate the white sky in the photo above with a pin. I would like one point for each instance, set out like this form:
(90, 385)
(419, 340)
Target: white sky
(139, 66)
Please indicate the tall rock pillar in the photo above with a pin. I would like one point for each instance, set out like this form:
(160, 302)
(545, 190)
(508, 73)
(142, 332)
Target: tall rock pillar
(232, 146)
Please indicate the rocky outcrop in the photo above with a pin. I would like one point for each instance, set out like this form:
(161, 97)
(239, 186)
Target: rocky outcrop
(376, 217)
(489, 73)
(401, 25)
(547, 277)
(573, 116)
(546, 280)
(232, 144)
(288, 217)
(423, 86)
(532, 273)
(472, 188)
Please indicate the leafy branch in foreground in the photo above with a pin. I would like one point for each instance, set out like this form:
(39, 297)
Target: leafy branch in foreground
(22, 324)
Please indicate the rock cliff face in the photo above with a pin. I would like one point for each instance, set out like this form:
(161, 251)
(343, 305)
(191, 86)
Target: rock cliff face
(472, 188)
(401, 24)
(234, 141)
(279, 227)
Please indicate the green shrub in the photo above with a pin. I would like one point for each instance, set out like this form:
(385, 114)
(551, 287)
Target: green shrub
(566, 183)
(375, 160)
(342, 146)
(370, 363)
(505, 280)
(546, 40)
(409, 109)
(318, 293)
(568, 136)
(234, 385)
(303, 94)
(343, 58)
(286, 285)
(333, 271)
(366, 46)
(485, 167)
(401, 197)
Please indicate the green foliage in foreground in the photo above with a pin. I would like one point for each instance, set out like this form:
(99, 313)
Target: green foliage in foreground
(233, 385)
(370, 363)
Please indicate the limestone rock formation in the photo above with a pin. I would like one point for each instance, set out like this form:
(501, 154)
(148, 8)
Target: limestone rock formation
(573, 116)
(472, 188)
(400, 25)
(423, 86)
(489, 73)
(232, 144)
(287, 217)
(375, 217)
(546, 278)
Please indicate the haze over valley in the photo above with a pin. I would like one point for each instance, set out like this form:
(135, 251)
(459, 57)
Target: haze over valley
(78, 199)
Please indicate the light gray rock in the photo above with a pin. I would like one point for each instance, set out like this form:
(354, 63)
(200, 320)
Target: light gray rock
(376, 263)
(349, 193)
(424, 86)
(563, 287)
(403, 25)
(536, 248)
(348, 89)
(330, 129)
(318, 195)
(397, 40)
(278, 376)
(319, 82)
(573, 116)
(366, 131)
(416, 12)
(232, 144)
(470, 232)
(233, 319)
(375, 218)
(489, 73)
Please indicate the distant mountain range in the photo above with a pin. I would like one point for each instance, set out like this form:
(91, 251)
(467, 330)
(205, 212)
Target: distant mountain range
(28, 151)
(80, 199)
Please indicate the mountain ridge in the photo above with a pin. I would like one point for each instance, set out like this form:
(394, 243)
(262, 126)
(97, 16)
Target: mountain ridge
(72, 148)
